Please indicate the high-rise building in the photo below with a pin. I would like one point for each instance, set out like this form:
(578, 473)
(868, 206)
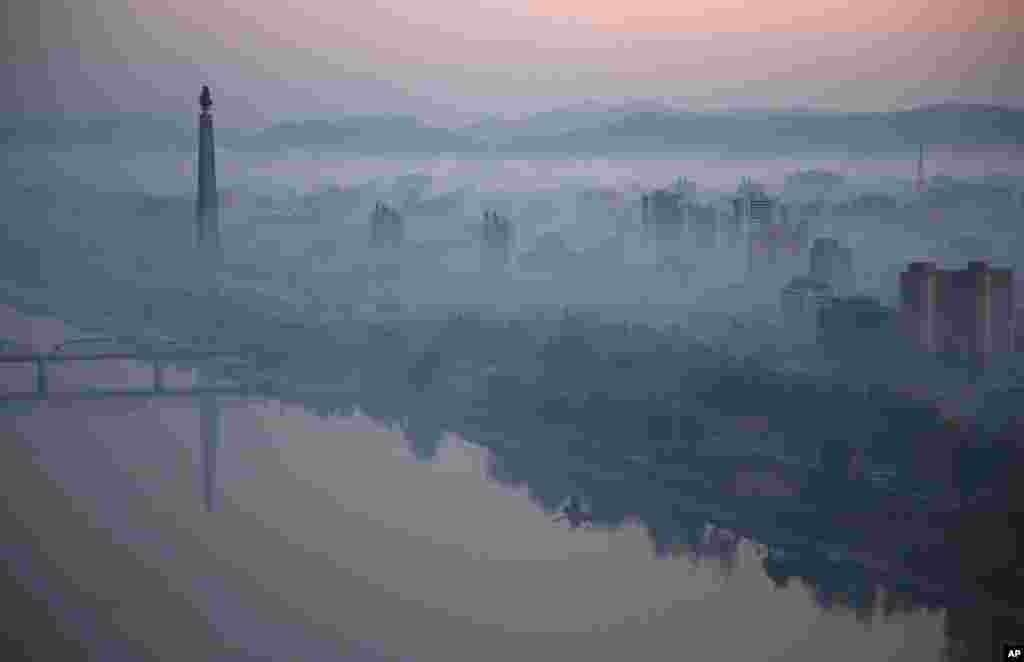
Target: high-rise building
(207, 205)
(1018, 320)
(735, 223)
(751, 203)
(967, 312)
(919, 305)
(497, 236)
(703, 225)
(665, 214)
(980, 310)
(686, 189)
(663, 207)
(755, 217)
(739, 208)
(832, 263)
(844, 279)
(762, 209)
(800, 301)
(856, 326)
(387, 227)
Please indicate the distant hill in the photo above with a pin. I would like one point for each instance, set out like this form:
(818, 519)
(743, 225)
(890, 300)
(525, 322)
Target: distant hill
(138, 131)
(141, 130)
(587, 115)
(363, 134)
(782, 131)
(588, 128)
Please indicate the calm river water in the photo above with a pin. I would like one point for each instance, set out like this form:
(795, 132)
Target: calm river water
(329, 540)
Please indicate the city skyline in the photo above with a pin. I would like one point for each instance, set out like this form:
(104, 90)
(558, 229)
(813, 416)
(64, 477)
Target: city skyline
(324, 386)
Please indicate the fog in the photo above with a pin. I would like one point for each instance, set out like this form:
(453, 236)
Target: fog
(278, 212)
(296, 232)
(528, 306)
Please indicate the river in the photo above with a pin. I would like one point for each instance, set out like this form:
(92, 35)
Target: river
(330, 540)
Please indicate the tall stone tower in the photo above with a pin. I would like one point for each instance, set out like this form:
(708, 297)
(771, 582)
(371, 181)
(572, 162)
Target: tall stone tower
(920, 183)
(207, 207)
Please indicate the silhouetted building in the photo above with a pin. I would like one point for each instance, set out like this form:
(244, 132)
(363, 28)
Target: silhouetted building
(969, 312)
(754, 215)
(497, 235)
(754, 207)
(832, 263)
(762, 209)
(771, 248)
(207, 207)
(703, 225)
(387, 227)
(980, 310)
(739, 209)
(686, 189)
(663, 207)
(919, 305)
(800, 302)
(856, 326)
(1018, 324)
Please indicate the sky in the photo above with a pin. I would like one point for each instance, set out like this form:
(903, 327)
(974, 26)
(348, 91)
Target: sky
(448, 60)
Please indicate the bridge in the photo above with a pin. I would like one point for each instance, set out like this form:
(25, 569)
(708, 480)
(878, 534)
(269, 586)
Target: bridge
(240, 390)
(207, 393)
(157, 357)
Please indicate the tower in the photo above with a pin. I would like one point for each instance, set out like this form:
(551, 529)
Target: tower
(919, 184)
(207, 208)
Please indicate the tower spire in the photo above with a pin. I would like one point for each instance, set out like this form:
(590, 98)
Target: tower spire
(207, 207)
(920, 183)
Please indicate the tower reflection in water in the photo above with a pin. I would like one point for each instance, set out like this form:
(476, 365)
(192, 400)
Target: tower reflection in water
(210, 434)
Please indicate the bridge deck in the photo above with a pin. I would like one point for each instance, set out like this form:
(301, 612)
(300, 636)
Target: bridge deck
(142, 355)
(101, 394)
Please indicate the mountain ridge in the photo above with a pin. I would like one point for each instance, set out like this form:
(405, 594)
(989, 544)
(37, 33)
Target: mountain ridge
(631, 126)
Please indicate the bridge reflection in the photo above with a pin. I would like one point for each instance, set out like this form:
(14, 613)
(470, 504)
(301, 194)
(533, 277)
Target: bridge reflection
(208, 389)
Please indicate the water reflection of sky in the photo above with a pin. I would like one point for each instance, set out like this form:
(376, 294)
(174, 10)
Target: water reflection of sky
(329, 530)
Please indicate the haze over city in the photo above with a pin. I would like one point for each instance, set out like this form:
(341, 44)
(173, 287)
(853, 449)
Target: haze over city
(317, 321)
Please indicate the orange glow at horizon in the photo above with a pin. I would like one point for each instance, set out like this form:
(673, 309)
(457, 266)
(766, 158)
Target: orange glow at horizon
(875, 52)
(661, 16)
